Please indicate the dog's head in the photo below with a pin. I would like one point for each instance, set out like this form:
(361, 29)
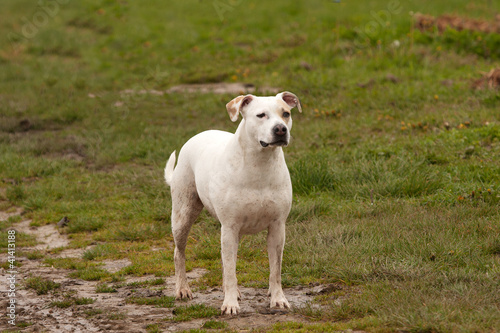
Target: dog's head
(268, 120)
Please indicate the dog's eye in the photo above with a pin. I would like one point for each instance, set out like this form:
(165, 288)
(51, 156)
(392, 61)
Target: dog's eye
(261, 115)
(286, 114)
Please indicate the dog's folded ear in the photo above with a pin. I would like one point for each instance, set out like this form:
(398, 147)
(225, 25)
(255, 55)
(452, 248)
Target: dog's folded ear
(290, 99)
(236, 105)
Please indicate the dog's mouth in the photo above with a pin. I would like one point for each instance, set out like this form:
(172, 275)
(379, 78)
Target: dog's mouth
(279, 143)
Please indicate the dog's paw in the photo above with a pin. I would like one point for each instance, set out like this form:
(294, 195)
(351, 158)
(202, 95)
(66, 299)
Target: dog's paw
(182, 293)
(230, 309)
(280, 302)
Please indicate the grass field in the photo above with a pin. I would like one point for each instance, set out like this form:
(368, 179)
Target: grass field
(394, 161)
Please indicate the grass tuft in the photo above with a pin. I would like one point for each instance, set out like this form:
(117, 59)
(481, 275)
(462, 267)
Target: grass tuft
(42, 286)
(93, 312)
(90, 273)
(190, 312)
(215, 325)
(62, 304)
(104, 288)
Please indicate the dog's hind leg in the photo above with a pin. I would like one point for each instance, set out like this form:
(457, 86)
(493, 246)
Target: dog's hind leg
(186, 206)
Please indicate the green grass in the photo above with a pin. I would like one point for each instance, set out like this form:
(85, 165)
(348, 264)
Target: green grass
(41, 285)
(105, 288)
(93, 312)
(394, 161)
(62, 304)
(117, 316)
(90, 274)
(153, 328)
(81, 269)
(195, 311)
(214, 324)
(34, 255)
(84, 301)
(154, 282)
(70, 300)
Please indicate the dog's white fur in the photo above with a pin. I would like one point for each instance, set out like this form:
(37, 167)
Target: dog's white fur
(243, 181)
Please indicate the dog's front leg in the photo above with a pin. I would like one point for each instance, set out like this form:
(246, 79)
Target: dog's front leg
(275, 244)
(229, 249)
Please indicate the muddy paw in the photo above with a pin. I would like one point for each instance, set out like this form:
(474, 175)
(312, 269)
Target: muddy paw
(280, 302)
(230, 309)
(183, 293)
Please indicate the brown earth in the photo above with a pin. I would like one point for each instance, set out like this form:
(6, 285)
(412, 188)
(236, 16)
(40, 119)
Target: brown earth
(447, 21)
(489, 80)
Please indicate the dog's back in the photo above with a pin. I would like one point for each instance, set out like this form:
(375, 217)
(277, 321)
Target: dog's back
(199, 151)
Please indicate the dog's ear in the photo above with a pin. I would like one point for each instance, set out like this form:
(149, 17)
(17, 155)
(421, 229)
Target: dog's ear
(290, 99)
(236, 105)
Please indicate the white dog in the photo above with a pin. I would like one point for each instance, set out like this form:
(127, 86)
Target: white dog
(243, 181)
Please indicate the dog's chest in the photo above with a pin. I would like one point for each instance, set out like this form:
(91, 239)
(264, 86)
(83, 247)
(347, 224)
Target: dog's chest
(253, 210)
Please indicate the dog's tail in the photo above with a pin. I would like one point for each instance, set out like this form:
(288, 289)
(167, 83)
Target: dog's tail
(169, 168)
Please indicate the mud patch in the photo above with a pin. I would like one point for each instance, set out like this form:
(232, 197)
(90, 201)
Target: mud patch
(112, 311)
(222, 88)
(428, 23)
(489, 80)
(48, 236)
(203, 88)
(4, 216)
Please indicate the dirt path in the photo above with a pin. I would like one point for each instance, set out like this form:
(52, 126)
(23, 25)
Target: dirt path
(110, 312)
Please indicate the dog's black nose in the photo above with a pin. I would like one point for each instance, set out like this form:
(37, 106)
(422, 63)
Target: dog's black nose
(280, 130)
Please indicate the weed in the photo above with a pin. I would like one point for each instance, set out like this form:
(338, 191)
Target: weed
(16, 194)
(153, 328)
(93, 312)
(99, 251)
(41, 285)
(117, 316)
(190, 312)
(15, 219)
(104, 288)
(84, 301)
(33, 255)
(70, 301)
(90, 273)
(154, 282)
(215, 325)
(23, 324)
(62, 304)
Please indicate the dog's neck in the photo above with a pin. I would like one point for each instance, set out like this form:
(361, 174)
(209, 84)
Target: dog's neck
(252, 150)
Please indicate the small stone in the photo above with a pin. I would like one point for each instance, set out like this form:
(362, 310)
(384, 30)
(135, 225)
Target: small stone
(390, 77)
(469, 150)
(307, 66)
(63, 222)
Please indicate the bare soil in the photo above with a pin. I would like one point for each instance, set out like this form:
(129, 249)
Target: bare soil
(428, 23)
(490, 80)
(235, 88)
(110, 312)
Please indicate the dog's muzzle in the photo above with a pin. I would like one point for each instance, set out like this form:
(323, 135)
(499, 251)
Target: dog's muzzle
(280, 136)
